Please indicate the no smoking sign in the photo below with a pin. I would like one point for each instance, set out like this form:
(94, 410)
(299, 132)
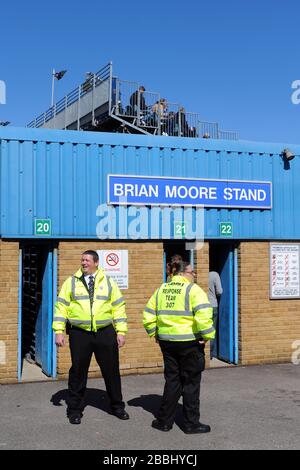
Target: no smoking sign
(115, 265)
(112, 259)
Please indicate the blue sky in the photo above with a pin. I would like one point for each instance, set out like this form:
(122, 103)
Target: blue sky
(231, 61)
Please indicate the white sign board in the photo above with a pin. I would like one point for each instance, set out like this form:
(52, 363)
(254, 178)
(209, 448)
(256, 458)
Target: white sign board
(284, 271)
(115, 264)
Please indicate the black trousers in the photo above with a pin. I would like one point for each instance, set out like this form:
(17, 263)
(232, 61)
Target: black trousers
(103, 344)
(183, 365)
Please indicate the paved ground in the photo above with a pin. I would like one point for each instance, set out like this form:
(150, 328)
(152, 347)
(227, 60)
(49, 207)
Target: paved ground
(247, 408)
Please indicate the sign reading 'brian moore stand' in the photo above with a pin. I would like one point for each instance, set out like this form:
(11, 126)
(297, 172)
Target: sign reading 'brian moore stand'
(166, 191)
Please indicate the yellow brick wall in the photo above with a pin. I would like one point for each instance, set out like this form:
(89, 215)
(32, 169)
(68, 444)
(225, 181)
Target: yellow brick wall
(145, 260)
(267, 328)
(9, 284)
(201, 264)
(201, 261)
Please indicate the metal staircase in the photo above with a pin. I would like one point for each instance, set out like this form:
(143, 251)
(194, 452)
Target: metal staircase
(104, 103)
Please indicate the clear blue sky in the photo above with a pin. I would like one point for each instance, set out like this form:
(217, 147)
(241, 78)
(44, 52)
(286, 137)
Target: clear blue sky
(232, 61)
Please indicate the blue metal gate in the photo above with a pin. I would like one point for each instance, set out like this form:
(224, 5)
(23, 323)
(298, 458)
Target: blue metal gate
(37, 293)
(228, 313)
(43, 331)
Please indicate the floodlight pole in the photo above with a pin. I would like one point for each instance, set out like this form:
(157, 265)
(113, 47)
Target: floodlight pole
(52, 94)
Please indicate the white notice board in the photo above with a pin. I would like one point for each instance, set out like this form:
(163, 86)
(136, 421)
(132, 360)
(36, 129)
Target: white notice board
(115, 264)
(284, 271)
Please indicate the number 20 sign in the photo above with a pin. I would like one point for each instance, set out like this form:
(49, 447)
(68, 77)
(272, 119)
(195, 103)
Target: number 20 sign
(42, 227)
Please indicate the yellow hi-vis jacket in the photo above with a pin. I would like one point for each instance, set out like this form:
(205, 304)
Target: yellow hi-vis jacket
(179, 311)
(73, 305)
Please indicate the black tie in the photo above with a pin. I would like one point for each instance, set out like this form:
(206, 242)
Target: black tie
(91, 288)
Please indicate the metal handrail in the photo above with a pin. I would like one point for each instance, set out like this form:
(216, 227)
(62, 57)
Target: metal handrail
(228, 135)
(171, 119)
(75, 95)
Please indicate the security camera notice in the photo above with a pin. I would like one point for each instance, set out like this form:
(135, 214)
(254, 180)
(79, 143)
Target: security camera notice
(150, 458)
(284, 271)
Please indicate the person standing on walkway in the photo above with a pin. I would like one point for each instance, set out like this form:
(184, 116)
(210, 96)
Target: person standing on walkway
(138, 103)
(180, 317)
(92, 305)
(215, 290)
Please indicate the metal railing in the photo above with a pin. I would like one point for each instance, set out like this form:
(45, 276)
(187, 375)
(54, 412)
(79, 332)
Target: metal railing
(156, 115)
(229, 135)
(208, 130)
(139, 108)
(134, 105)
(75, 95)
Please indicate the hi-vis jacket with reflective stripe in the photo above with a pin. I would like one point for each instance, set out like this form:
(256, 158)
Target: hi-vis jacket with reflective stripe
(73, 305)
(179, 311)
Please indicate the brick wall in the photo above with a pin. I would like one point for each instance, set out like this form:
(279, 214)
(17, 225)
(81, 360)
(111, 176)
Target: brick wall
(201, 263)
(140, 354)
(9, 284)
(267, 328)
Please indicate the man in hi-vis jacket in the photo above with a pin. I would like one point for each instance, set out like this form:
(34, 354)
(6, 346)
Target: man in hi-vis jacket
(92, 305)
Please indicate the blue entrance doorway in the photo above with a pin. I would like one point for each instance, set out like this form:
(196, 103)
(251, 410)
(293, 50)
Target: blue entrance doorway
(223, 259)
(37, 292)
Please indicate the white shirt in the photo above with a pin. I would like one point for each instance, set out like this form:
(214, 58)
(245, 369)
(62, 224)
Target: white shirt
(87, 278)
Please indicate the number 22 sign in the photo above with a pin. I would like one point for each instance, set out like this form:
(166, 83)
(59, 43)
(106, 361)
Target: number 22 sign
(226, 229)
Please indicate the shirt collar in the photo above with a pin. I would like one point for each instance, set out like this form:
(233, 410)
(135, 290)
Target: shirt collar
(86, 276)
(177, 278)
(99, 274)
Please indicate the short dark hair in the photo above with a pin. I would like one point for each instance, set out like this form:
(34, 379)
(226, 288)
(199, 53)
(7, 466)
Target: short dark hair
(142, 88)
(176, 257)
(178, 267)
(92, 253)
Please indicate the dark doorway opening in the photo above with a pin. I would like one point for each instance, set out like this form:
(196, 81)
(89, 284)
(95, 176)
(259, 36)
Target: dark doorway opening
(36, 338)
(175, 247)
(33, 266)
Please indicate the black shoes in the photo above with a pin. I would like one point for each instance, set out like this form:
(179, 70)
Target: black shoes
(196, 429)
(121, 414)
(75, 419)
(160, 426)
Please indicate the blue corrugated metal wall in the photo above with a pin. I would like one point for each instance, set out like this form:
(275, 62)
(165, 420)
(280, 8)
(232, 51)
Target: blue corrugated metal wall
(62, 175)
